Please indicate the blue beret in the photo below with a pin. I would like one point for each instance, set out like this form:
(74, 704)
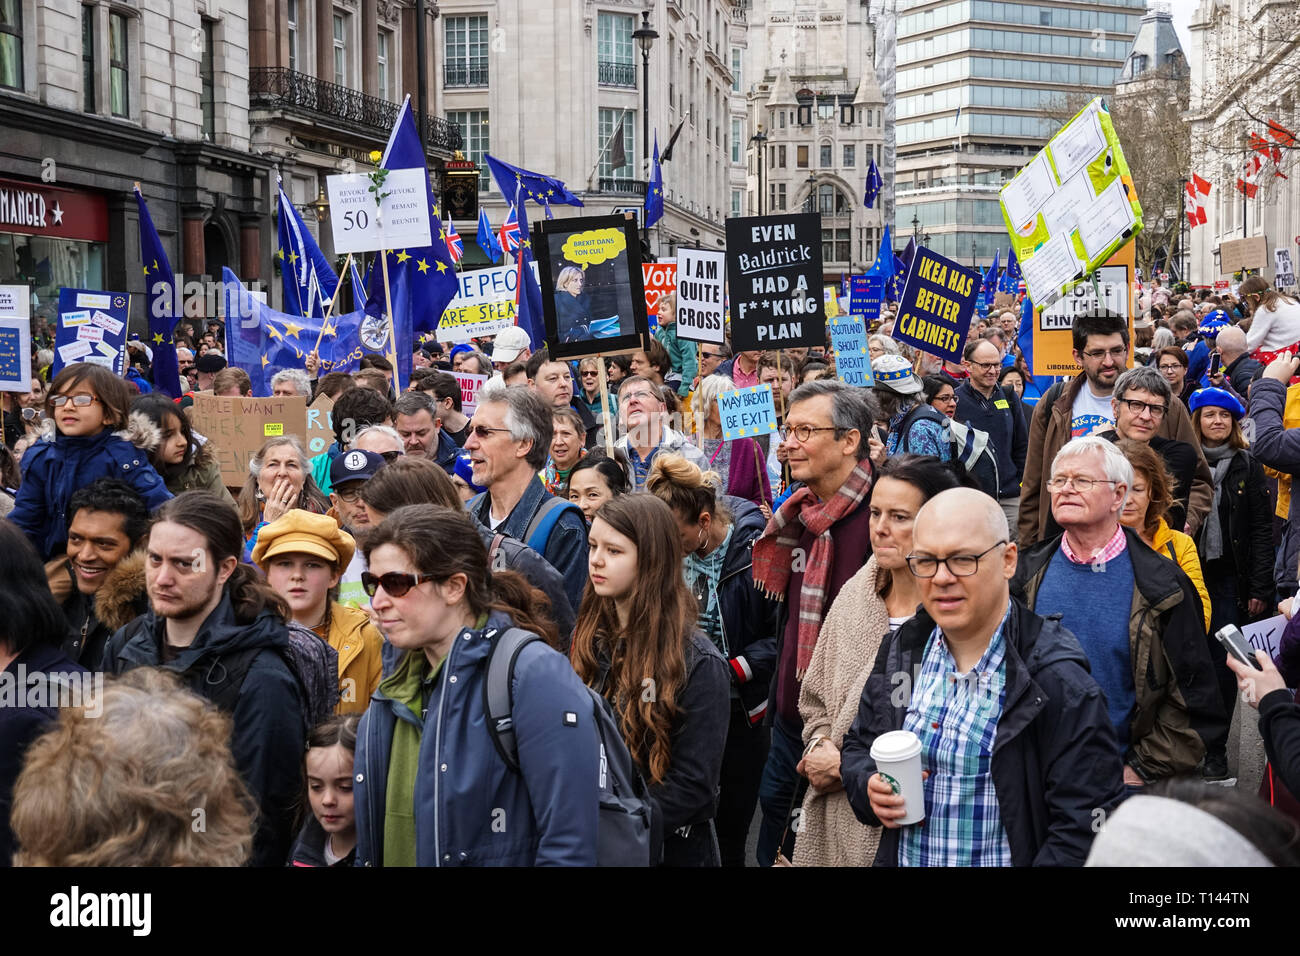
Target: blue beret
(1216, 398)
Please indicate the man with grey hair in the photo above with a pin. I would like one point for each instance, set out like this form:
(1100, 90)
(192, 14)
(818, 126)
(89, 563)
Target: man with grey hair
(509, 442)
(472, 362)
(818, 539)
(382, 440)
(415, 416)
(289, 382)
(1239, 367)
(646, 433)
(1141, 400)
(1135, 612)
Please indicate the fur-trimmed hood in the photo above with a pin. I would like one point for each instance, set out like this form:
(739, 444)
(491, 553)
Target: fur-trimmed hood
(122, 598)
(140, 431)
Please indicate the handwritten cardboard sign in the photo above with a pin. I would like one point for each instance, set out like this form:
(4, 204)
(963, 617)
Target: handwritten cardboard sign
(238, 427)
(747, 412)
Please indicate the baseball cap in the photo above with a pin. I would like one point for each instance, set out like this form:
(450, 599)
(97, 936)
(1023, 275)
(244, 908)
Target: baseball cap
(355, 465)
(895, 373)
(509, 344)
(210, 363)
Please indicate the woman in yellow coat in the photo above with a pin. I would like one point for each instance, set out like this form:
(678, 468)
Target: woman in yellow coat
(303, 555)
(1144, 511)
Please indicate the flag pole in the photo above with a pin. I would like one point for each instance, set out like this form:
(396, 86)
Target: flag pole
(329, 310)
(392, 326)
(604, 406)
(696, 411)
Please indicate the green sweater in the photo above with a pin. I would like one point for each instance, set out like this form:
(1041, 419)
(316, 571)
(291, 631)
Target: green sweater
(682, 355)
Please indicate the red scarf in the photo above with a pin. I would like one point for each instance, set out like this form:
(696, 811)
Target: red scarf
(774, 551)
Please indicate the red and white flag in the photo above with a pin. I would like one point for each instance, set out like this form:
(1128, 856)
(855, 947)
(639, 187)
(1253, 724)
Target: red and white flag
(1281, 133)
(1202, 185)
(1195, 211)
(1247, 179)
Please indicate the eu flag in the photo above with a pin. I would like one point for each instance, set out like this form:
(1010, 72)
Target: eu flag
(874, 185)
(529, 293)
(307, 278)
(884, 264)
(162, 303)
(487, 240)
(1011, 276)
(536, 186)
(654, 194)
(990, 286)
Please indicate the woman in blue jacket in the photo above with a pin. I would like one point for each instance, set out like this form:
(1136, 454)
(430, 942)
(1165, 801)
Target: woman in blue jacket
(717, 537)
(431, 789)
(87, 402)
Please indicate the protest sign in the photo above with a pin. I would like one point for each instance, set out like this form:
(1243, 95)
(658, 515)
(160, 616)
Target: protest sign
(866, 297)
(593, 286)
(320, 425)
(1072, 206)
(91, 328)
(937, 305)
(774, 268)
(15, 338)
(659, 279)
(15, 302)
(1238, 254)
(237, 428)
(1265, 635)
(852, 360)
(700, 278)
(485, 304)
(1053, 340)
(401, 220)
(1284, 273)
(470, 386)
(747, 412)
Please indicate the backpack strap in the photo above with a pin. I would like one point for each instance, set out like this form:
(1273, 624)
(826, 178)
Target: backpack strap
(496, 560)
(1169, 546)
(547, 516)
(498, 696)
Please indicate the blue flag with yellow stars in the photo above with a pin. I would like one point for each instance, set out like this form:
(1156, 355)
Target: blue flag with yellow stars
(654, 195)
(162, 303)
(308, 281)
(541, 189)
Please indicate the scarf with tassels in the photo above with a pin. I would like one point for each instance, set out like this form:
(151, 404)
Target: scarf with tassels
(774, 552)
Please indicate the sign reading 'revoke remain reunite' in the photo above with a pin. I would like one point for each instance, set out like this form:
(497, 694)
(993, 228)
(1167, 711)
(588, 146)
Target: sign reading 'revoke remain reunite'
(774, 282)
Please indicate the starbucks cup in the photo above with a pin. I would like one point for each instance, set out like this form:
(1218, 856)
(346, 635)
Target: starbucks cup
(898, 758)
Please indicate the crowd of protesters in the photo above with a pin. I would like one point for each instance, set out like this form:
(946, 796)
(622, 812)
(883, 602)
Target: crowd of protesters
(433, 642)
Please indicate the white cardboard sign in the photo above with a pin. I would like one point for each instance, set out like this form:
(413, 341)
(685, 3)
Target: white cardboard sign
(400, 222)
(700, 277)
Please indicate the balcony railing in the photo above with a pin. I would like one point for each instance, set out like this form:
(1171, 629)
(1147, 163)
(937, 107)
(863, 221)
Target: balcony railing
(621, 187)
(471, 72)
(270, 88)
(616, 74)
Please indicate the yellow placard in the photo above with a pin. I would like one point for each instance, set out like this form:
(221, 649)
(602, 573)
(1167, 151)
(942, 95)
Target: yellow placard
(1053, 340)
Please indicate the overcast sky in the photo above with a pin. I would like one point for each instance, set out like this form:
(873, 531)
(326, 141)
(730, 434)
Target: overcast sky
(1182, 11)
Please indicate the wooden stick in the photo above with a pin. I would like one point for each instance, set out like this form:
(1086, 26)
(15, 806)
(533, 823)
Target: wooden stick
(604, 407)
(696, 411)
(392, 327)
(762, 466)
(780, 403)
(329, 310)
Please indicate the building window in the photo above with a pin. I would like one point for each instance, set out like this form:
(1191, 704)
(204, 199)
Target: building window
(291, 30)
(826, 111)
(735, 140)
(87, 59)
(340, 50)
(608, 123)
(466, 46)
(805, 115)
(869, 120)
(474, 131)
(735, 202)
(781, 119)
(735, 69)
(837, 245)
(780, 152)
(119, 75)
(208, 79)
(824, 158)
(614, 50)
(850, 157)
(846, 114)
(776, 197)
(11, 44)
(381, 54)
(801, 157)
(831, 202)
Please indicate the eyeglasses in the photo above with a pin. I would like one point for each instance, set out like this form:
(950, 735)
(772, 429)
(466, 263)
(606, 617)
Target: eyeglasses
(1136, 407)
(710, 355)
(482, 431)
(81, 401)
(958, 565)
(984, 365)
(348, 496)
(29, 414)
(1116, 354)
(590, 372)
(642, 396)
(1059, 482)
(1169, 368)
(801, 433)
(391, 456)
(394, 583)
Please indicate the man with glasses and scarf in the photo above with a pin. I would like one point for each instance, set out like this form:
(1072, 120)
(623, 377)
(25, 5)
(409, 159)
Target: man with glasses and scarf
(1134, 611)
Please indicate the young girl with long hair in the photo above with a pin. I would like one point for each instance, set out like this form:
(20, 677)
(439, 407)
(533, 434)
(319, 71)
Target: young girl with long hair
(636, 642)
(329, 833)
(184, 462)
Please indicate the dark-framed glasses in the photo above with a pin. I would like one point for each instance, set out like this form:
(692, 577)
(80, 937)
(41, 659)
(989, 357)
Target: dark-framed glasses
(394, 583)
(958, 565)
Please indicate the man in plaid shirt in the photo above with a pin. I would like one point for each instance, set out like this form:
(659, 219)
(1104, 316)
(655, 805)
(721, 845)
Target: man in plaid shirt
(1020, 755)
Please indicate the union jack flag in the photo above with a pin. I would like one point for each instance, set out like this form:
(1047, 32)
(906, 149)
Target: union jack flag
(510, 232)
(455, 245)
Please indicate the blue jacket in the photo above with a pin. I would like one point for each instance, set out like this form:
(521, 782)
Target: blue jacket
(1198, 358)
(1003, 419)
(470, 808)
(565, 549)
(447, 452)
(54, 470)
(748, 616)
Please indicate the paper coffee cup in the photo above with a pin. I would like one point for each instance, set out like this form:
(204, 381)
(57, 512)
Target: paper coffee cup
(898, 759)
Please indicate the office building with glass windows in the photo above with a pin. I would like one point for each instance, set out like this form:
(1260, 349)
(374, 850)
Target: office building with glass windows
(981, 85)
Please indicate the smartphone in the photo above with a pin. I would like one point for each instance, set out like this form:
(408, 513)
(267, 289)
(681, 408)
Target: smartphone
(1236, 644)
(1216, 363)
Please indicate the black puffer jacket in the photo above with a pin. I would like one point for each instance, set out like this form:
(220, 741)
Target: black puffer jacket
(269, 726)
(1246, 516)
(749, 618)
(1055, 760)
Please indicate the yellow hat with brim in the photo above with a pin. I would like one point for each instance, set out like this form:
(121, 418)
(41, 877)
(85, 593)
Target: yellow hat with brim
(301, 532)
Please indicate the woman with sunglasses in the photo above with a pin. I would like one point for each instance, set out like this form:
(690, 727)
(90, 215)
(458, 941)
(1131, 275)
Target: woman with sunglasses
(589, 390)
(431, 786)
(88, 404)
(637, 643)
(1274, 320)
(717, 536)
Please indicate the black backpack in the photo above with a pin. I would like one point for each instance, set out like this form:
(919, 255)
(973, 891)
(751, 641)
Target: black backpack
(624, 827)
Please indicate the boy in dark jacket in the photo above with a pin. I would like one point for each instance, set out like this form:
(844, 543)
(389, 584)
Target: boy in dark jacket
(1023, 725)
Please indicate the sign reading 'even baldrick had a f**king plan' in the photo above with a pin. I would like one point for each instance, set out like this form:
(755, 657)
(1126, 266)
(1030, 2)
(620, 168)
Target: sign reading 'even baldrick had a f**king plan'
(774, 279)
